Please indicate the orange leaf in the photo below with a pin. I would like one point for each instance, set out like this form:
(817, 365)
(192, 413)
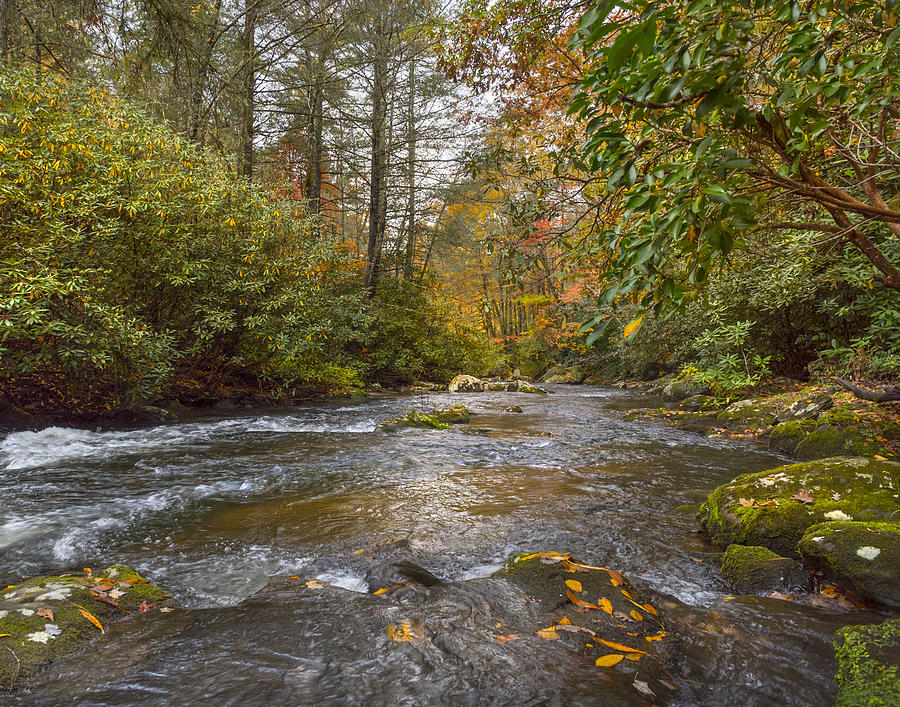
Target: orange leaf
(619, 646)
(658, 637)
(632, 327)
(605, 604)
(93, 619)
(508, 637)
(574, 585)
(614, 577)
(607, 661)
(634, 656)
(46, 613)
(636, 615)
(564, 621)
(579, 602)
(549, 632)
(650, 609)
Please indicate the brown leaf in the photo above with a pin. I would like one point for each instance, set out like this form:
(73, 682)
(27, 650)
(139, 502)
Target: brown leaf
(634, 656)
(574, 629)
(508, 637)
(746, 501)
(607, 661)
(103, 587)
(46, 613)
(804, 496)
(614, 577)
(770, 502)
(641, 686)
(579, 602)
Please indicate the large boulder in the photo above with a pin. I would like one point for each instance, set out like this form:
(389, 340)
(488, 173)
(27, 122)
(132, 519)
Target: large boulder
(679, 390)
(868, 660)
(806, 408)
(748, 414)
(785, 437)
(828, 441)
(698, 403)
(48, 617)
(863, 556)
(466, 384)
(755, 569)
(438, 420)
(774, 508)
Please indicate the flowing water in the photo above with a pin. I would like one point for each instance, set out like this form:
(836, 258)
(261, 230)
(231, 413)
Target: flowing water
(213, 508)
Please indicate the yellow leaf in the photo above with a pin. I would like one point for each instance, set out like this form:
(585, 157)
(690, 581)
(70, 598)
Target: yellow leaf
(93, 619)
(401, 634)
(632, 326)
(658, 637)
(607, 661)
(650, 609)
(605, 604)
(619, 646)
(5, 635)
(315, 584)
(564, 621)
(383, 590)
(549, 632)
(880, 458)
(636, 615)
(574, 585)
(579, 602)
(634, 656)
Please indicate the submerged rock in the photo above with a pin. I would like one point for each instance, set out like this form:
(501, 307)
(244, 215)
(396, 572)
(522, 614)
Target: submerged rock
(755, 569)
(862, 556)
(398, 575)
(868, 660)
(51, 616)
(774, 508)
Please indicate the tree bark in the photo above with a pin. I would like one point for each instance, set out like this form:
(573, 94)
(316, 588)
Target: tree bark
(248, 37)
(887, 395)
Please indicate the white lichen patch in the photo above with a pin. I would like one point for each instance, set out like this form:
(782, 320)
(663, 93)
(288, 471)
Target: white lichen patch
(26, 612)
(818, 538)
(856, 461)
(772, 479)
(868, 552)
(40, 636)
(111, 572)
(838, 515)
(4, 614)
(867, 477)
(57, 594)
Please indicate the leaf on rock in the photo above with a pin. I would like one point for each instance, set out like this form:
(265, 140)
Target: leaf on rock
(770, 502)
(636, 615)
(93, 619)
(105, 587)
(548, 555)
(52, 630)
(605, 604)
(618, 646)
(564, 621)
(508, 637)
(634, 656)
(746, 502)
(145, 607)
(657, 637)
(650, 609)
(574, 629)
(574, 585)
(402, 633)
(315, 584)
(836, 496)
(549, 632)
(46, 613)
(607, 661)
(579, 602)
(116, 593)
(5, 635)
(804, 496)
(614, 577)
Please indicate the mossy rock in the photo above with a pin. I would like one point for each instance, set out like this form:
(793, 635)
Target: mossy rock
(681, 390)
(828, 441)
(758, 509)
(755, 569)
(863, 556)
(698, 403)
(868, 660)
(437, 420)
(702, 423)
(785, 437)
(748, 414)
(808, 407)
(45, 621)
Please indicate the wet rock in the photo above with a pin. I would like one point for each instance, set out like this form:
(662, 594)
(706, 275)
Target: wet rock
(45, 621)
(680, 390)
(755, 569)
(702, 423)
(828, 441)
(698, 403)
(774, 508)
(555, 371)
(466, 384)
(862, 556)
(144, 415)
(513, 408)
(398, 575)
(807, 408)
(15, 418)
(868, 660)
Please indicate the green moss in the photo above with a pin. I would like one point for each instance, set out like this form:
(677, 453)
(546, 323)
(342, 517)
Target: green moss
(847, 488)
(756, 569)
(828, 441)
(864, 556)
(36, 640)
(868, 658)
(438, 420)
(786, 436)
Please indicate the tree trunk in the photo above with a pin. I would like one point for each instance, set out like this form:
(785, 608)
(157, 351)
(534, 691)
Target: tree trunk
(4, 29)
(201, 75)
(376, 180)
(411, 172)
(245, 168)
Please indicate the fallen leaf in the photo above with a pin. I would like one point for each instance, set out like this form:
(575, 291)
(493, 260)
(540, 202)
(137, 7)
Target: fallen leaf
(607, 661)
(803, 496)
(549, 632)
(658, 637)
(641, 686)
(614, 577)
(879, 457)
(564, 621)
(383, 590)
(746, 501)
(618, 646)
(86, 570)
(508, 637)
(145, 607)
(836, 496)
(93, 619)
(401, 634)
(105, 587)
(634, 656)
(636, 615)
(579, 602)
(650, 609)
(359, 552)
(622, 617)
(52, 630)
(770, 502)
(572, 567)
(315, 584)
(574, 629)
(294, 576)
(46, 613)
(116, 593)
(5, 635)
(166, 609)
(549, 555)
(605, 604)
(574, 585)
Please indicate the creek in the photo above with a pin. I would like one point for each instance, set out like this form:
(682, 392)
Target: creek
(213, 508)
